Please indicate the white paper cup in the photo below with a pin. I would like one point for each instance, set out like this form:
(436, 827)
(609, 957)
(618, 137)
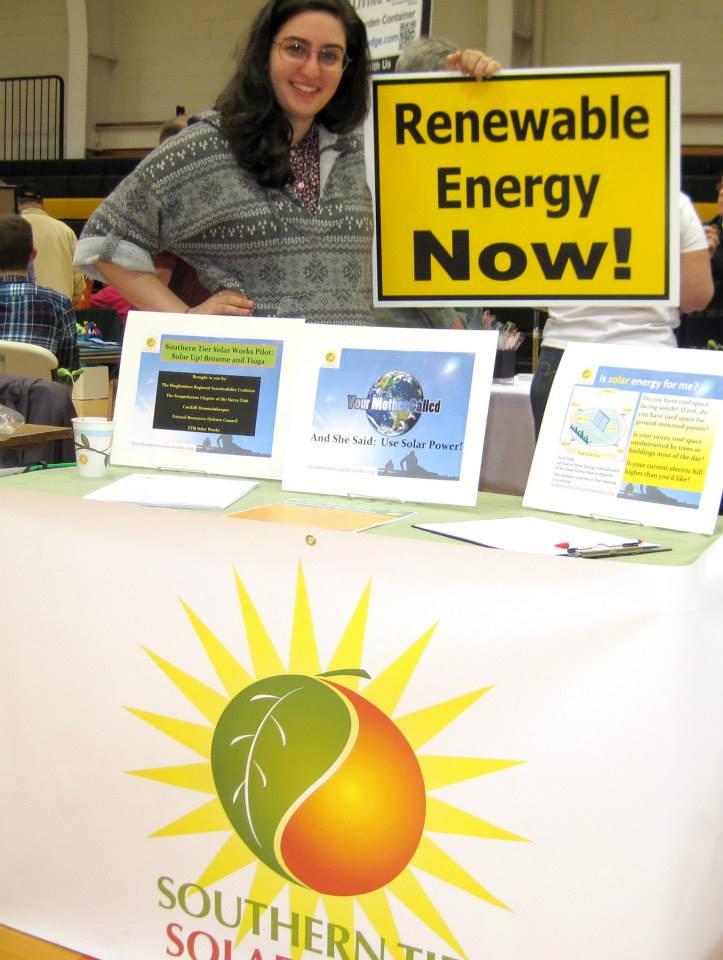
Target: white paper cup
(93, 437)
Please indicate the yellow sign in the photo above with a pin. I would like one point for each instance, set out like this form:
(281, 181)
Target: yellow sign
(530, 188)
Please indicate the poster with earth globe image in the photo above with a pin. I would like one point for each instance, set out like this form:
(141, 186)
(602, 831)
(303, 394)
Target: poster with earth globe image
(381, 419)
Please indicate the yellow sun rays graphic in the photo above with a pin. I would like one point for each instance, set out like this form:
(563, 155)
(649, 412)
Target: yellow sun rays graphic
(384, 692)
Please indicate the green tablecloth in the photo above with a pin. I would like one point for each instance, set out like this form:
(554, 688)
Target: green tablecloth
(685, 547)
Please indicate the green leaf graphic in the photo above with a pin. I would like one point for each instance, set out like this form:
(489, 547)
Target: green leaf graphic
(272, 742)
(346, 672)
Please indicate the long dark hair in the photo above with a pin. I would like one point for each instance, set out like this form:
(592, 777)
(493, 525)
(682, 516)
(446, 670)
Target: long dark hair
(254, 123)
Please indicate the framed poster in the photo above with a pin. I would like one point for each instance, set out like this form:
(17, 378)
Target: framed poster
(633, 433)
(207, 394)
(535, 187)
(394, 414)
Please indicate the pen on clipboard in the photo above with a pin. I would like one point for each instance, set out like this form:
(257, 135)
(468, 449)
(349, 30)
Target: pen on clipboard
(567, 546)
(630, 548)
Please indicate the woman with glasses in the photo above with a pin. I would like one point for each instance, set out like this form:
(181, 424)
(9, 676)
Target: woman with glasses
(266, 196)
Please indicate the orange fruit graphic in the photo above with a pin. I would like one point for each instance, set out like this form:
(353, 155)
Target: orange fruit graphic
(319, 783)
(359, 829)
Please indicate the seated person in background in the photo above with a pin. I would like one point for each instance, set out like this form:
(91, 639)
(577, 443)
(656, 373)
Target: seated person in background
(108, 298)
(30, 313)
(643, 325)
(55, 243)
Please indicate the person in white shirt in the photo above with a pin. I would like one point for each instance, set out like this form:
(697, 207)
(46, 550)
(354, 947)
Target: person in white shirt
(647, 325)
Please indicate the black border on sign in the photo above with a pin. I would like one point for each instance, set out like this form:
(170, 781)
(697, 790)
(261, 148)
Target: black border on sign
(426, 17)
(526, 298)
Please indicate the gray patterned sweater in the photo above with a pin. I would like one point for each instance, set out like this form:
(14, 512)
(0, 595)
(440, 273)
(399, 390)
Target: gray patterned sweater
(189, 197)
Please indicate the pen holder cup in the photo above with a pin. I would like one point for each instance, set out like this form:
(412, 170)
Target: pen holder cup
(504, 371)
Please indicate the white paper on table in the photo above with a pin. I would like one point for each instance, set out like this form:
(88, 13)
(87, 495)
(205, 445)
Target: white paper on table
(525, 535)
(158, 490)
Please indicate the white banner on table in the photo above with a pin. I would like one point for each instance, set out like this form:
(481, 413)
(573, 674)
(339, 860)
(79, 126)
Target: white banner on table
(509, 783)
(394, 414)
(209, 394)
(633, 433)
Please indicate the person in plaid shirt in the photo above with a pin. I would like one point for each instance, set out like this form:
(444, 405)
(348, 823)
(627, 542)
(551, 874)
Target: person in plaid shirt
(31, 313)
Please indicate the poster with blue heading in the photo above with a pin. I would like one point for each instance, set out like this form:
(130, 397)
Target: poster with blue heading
(211, 399)
(633, 433)
(393, 416)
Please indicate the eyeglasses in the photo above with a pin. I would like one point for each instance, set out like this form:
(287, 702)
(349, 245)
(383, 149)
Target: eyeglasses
(298, 51)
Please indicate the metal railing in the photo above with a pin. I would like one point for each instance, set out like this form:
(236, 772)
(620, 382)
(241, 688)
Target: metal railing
(32, 118)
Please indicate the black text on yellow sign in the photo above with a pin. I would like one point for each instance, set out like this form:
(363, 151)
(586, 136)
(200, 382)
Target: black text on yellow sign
(529, 188)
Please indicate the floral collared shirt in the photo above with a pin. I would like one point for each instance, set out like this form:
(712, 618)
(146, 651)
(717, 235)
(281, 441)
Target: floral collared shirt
(306, 183)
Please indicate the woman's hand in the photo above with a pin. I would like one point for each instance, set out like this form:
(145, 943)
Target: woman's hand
(225, 303)
(473, 63)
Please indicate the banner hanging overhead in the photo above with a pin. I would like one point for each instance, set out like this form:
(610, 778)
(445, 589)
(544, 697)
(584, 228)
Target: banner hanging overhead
(391, 26)
(539, 187)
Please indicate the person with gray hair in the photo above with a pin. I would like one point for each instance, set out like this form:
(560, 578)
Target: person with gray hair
(429, 55)
(426, 55)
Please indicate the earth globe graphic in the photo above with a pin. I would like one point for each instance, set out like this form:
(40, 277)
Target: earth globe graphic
(395, 403)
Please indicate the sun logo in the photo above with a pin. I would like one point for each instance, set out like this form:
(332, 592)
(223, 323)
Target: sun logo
(316, 784)
(151, 342)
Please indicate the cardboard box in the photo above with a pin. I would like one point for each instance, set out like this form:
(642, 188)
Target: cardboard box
(93, 408)
(92, 384)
